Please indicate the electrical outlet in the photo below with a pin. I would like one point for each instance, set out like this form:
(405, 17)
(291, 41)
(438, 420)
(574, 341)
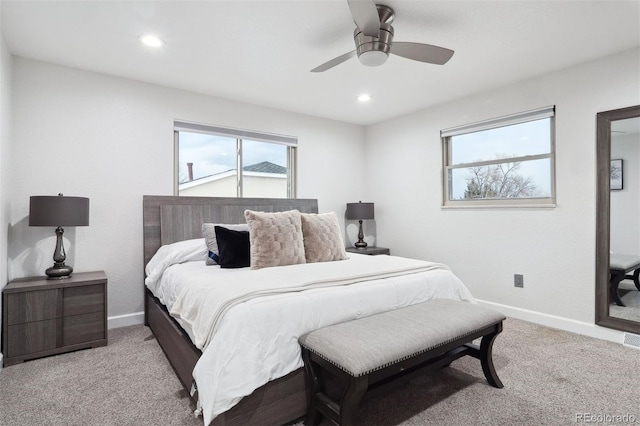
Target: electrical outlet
(518, 280)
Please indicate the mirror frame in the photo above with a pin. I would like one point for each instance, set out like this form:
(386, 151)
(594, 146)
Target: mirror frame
(603, 215)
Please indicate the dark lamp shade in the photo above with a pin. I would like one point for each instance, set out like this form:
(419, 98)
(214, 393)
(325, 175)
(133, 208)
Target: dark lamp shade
(357, 211)
(58, 211)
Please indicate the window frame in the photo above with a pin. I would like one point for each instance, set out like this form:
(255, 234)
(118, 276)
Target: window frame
(291, 142)
(446, 136)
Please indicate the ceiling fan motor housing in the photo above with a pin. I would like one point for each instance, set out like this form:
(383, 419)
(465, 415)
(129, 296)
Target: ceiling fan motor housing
(374, 42)
(374, 51)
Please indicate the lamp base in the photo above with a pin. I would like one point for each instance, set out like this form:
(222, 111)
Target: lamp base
(58, 271)
(361, 243)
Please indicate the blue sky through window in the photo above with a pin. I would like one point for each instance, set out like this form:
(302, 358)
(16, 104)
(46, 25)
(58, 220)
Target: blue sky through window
(519, 140)
(211, 154)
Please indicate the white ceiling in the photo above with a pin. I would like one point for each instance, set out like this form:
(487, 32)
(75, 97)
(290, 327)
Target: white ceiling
(261, 51)
(625, 127)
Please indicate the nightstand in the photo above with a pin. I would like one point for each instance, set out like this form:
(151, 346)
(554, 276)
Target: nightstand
(371, 251)
(42, 317)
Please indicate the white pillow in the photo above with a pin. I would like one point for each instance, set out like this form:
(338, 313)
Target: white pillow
(209, 234)
(170, 254)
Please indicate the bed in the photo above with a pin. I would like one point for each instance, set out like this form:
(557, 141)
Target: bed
(281, 398)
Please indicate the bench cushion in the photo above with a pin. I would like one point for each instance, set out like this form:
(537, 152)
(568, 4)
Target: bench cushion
(626, 262)
(368, 344)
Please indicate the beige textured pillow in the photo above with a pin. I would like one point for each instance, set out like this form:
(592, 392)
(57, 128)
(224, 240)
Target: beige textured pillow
(275, 238)
(322, 238)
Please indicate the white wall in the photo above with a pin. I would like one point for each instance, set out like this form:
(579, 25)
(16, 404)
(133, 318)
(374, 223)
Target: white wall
(5, 152)
(625, 203)
(111, 139)
(266, 185)
(554, 248)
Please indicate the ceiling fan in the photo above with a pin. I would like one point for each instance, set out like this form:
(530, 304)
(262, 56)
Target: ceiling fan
(374, 39)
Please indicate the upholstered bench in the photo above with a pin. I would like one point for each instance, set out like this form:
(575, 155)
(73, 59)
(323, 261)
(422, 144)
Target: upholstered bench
(345, 360)
(619, 266)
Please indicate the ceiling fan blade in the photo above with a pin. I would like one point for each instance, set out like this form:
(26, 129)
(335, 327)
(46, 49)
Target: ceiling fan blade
(422, 52)
(365, 15)
(335, 61)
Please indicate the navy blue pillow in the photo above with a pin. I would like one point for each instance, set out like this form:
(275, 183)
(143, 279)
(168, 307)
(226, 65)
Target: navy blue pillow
(233, 248)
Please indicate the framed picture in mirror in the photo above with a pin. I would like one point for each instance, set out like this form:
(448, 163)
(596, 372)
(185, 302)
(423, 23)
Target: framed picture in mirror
(616, 175)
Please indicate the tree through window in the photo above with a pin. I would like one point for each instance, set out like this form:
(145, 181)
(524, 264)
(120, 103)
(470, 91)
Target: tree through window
(504, 161)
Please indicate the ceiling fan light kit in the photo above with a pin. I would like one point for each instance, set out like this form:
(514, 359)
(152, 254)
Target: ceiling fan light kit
(374, 51)
(373, 37)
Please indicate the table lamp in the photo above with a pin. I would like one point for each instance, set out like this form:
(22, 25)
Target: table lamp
(360, 211)
(58, 211)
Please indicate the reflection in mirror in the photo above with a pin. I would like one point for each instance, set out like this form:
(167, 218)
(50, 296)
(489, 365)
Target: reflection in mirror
(618, 219)
(624, 238)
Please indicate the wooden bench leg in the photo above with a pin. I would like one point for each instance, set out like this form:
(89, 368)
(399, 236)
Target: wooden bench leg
(313, 416)
(486, 358)
(616, 277)
(350, 400)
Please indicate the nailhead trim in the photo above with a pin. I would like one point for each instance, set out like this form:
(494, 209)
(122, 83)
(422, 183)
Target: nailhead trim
(398, 360)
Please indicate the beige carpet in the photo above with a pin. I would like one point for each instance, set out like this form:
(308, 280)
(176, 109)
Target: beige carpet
(630, 296)
(550, 378)
(127, 382)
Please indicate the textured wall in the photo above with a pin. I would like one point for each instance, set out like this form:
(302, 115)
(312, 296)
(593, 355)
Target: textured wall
(625, 203)
(5, 153)
(554, 248)
(111, 139)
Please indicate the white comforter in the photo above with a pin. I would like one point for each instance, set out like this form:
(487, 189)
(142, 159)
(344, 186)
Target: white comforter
(256, 339)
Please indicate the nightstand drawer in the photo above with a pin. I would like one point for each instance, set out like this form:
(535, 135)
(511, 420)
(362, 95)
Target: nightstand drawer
(34, 306)
(32, 337)
(43, 317)
(84, 328)
(83, 300)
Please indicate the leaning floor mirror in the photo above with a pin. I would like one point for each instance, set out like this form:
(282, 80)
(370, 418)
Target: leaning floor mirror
(618, 219)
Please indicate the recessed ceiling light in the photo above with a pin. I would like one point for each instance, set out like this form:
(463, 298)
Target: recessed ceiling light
(152, 40)
(363, 97)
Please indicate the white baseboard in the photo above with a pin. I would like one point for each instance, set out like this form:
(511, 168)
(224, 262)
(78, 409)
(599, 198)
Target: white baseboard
(561, 323)
(112, 322)
(118, 321)
(547, 320)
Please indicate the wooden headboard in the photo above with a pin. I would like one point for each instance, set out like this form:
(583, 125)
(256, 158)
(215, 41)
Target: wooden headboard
(168, 219)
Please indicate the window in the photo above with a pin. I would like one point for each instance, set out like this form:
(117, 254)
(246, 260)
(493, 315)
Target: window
(223, 162)
(507, 161)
